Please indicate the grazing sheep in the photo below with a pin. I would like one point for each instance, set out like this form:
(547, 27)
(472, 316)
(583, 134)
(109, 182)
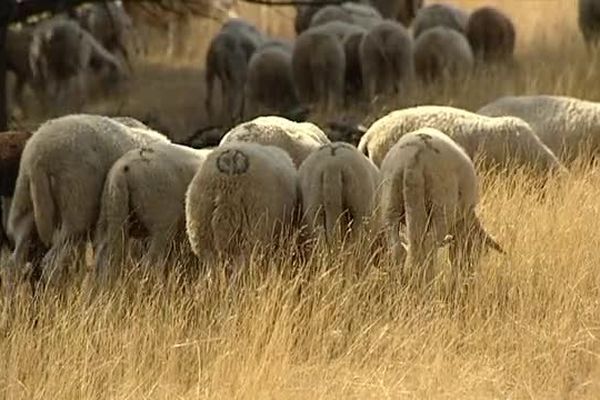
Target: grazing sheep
(338, 186)
(227, 61)
(386, 55)
(491, 34)
(61, 52)
(298, 139)
(270, 86)
(498, 141)
(442, 53)
(12, 144)
(244, 194)
(109, 24)
(145, 188)
(436, 15)
(567, 125)
(17, 62)
(61, 173)
(430, 186)
(319, 62)
(403, 11)
(362, 15)
(589, 20)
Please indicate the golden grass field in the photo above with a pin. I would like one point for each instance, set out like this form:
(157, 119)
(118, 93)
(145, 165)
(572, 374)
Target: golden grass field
(526, 326)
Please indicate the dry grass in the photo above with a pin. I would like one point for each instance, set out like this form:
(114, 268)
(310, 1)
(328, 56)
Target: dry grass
(334, 327)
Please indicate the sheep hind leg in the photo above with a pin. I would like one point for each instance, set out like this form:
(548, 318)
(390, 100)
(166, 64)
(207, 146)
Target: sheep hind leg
(158, 256)
(65, 254)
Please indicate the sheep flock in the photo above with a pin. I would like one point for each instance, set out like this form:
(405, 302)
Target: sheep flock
(405, 187)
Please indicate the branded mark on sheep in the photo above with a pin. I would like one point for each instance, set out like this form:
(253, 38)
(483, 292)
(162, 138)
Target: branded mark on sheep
(233, 162)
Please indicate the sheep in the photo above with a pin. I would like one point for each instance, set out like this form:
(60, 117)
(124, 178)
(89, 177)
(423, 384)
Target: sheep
(498, 141)
(243, 194)
(11, 148)
(491, 34)
(353, 80)
(403, 11)
(338, 186)
(362, 15)
(430, 186)
(319, 62)
(109, 24)
(386, 55)
(304, 14)
(298, 139)
(269, 86)
(61, 51)
(227, 61)
(17, 62)
(589, 20)
(567, 125)
(58, 189)
(436, 15)
(442, 53)
(145, 188)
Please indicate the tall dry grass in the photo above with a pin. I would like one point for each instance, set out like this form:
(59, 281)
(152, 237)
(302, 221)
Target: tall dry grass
(336, 325)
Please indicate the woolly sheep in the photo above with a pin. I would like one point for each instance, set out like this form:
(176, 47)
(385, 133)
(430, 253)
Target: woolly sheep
(338, 186)
(12, 144)
(17, 61)
(436, 15)
(589, 20)
(363, 15)
(227, 61)
(244, 194)
(109, 24)
(403, 11)
(298, 139)
(498, 141)
(442, 53)
(491, 34)
(270, 86)
(318, 64)
(430, 186)
(146, 188)
(567, 125)
(61, 173)
(386, 55)
(61, 51)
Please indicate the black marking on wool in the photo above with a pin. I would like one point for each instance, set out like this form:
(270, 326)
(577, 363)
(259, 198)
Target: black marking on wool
(233, 162)
(426, 139)
(144, 150)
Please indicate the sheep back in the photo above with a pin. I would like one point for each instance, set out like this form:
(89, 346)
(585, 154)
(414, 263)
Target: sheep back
(244, 193)
(491, 35)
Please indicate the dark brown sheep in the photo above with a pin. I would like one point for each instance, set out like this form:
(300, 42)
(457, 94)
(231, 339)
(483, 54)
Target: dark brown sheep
(491, 35)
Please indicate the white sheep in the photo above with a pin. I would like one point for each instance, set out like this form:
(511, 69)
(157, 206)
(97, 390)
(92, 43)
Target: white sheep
(435, 15)
(444, 53)
(298, 139)
(319, 63)
(61, 52)
(363, 15)
(338, 186)
(61, 173)
(145, 189)
(244, 194)
(386, 58)
(269, 85)
(498, 141)
(430, 187)
(567, 125)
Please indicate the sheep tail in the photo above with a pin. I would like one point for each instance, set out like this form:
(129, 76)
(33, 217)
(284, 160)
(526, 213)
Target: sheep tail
(114, 214)
(44, 207)
(333, 204)
(487, 239)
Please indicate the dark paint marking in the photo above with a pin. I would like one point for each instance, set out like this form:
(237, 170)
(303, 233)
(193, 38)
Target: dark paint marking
(233, 162)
